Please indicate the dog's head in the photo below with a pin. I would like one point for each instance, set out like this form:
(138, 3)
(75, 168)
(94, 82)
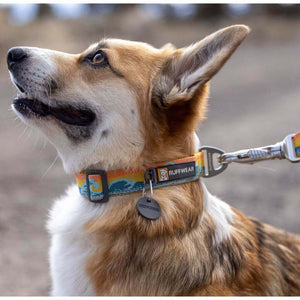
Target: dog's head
(119, 104)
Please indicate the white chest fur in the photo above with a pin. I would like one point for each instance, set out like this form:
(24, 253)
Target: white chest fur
(70, 247)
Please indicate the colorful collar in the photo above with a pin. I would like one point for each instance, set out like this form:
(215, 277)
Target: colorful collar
(98, 185)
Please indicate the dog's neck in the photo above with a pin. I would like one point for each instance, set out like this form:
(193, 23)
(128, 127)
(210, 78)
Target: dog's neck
(185, 206)
(188, 146)
(189, 213)
(182, 205)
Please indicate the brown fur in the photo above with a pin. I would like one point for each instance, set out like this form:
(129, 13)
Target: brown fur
(176, 256)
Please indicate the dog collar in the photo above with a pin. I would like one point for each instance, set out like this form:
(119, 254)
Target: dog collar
(99, 185)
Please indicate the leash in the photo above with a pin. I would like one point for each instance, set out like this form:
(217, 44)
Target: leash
(288, 149)
(99, 185)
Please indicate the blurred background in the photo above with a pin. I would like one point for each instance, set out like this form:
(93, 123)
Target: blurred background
(254, 101)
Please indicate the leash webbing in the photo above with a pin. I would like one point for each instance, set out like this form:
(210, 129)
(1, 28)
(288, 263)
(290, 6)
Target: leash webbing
(296, 140)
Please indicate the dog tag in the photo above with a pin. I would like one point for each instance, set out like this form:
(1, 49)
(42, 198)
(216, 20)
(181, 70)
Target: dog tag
(148, 208)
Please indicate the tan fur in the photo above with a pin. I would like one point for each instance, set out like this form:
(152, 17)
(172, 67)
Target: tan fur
(176, 256)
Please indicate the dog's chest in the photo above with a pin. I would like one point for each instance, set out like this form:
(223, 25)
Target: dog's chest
(70, 247)
(68, 256)
(72, 251)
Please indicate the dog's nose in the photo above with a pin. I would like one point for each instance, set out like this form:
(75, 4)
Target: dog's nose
(15, 56)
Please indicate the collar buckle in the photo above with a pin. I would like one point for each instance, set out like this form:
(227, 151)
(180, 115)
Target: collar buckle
(104, 182)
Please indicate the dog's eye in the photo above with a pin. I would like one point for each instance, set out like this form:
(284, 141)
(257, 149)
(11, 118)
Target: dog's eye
(99, 58)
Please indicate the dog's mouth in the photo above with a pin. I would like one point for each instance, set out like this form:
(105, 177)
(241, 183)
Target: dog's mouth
(66, 113)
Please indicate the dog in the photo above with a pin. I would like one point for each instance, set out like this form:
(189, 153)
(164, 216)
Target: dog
(124, 105)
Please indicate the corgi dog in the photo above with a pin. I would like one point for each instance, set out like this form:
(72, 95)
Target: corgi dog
(123, 106)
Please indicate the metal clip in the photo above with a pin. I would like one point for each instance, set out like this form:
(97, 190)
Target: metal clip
(144, 189)
(210, 168)
(281, 150)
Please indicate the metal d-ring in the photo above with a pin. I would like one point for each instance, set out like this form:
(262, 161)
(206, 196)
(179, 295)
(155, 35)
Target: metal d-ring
(210, 169)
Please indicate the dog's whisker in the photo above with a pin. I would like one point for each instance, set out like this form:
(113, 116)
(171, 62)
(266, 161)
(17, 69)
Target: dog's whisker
(98, 142)
(50, 87)
(44, 144)
(13, 117)
(49, 168)
(29, 133)
(37, 138)
(48, 97)
(22, 134)
(20, 124)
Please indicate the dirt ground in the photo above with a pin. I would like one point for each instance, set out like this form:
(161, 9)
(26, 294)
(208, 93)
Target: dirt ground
(255, 101)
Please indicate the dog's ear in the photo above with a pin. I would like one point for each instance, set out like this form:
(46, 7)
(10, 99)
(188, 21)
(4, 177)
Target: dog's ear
(187, 69)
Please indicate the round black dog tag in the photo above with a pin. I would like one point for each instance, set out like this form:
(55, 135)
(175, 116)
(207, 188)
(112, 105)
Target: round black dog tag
(148, 208)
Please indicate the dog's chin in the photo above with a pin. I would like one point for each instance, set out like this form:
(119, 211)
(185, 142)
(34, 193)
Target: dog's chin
(31, 108)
